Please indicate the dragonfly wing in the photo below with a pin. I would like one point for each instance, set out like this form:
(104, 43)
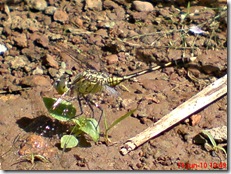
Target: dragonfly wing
(77, 55)
(111, 91)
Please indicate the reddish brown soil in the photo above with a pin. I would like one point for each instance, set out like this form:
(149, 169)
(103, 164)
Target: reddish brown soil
(117, 39)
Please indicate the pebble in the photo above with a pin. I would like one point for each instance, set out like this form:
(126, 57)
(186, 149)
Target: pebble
(219, 133)
(53, 72)
(24, 24)
(112, 59)
(126, 102)
(50, 10)
(110, 5)
(35, 80)
(93, 5)
(20, 40)
(18, 62)
(37, 71)
(142, 6)
(50, 61)
(2, 49)
(60, 16)
(43, 40)
(39, 5)
(102, 32)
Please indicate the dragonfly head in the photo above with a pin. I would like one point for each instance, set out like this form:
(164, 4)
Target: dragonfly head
(61, 85)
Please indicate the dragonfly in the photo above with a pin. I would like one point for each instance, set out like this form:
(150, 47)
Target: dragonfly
(91, 81)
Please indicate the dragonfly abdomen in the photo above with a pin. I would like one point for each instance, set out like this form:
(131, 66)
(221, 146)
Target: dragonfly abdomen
(113, 81)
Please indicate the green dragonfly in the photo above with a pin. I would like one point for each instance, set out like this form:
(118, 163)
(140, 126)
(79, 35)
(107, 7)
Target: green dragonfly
(91, 81)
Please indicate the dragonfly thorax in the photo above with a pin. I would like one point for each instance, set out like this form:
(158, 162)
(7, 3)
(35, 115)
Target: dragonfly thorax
(89, 81)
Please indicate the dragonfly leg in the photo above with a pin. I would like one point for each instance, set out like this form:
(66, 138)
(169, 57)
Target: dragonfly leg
(80, 106)
(101, 109)
(90, 103)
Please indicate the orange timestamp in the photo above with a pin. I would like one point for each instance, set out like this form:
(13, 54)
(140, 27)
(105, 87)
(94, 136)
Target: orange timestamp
(202, 165)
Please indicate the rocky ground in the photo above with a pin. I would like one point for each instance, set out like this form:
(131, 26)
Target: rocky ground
(120, 38)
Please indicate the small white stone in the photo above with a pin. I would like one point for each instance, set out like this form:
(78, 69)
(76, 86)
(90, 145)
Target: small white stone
(2, 48)
(196, 30)
(38, 71)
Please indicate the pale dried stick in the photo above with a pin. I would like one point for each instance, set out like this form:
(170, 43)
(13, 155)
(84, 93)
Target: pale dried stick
(200, 100)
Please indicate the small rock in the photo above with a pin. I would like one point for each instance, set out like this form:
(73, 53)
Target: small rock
(29, 68)
(20, 40)
(195, 119)
(50, 61)
(126, 102)
(2, 49)
(34, 36)
(39, 5)
(219, 133)
(112, 59)
(14, 52)
(31, 53)
(107, 24)
(43, 40)
(37, 71)
(60, 16)
(132, 33)
(93, 5)
(53, 72)
(77, 21)
(35, 80)
(23, 24)
(142, 6)
(165, 13)
(50, 10)
(54, 36)
(18, 62)
(102, 32)
(108, 4)
(47, 21)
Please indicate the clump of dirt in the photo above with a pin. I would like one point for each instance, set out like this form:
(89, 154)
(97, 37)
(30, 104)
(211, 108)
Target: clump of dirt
(119, 38)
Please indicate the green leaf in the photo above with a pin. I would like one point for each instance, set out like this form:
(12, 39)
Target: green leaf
(89, 126)
(210, 137)
(69, 141)
(214, 144)
(221, 148)
(64, 111)
(120, 119)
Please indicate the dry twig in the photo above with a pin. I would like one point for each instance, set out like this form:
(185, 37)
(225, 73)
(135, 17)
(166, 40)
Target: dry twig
(208, 95)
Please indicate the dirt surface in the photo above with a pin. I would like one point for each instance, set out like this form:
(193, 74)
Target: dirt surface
(120, 38)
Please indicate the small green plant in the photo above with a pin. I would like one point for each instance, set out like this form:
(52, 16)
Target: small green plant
(31, 158)
(107, 140)
(185, 15)
(66, 112)
(213, 144)
(39, 157)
